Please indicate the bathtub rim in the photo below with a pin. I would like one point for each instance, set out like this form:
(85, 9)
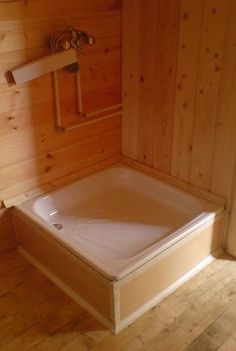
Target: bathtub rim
(155, 250)
(199, 262)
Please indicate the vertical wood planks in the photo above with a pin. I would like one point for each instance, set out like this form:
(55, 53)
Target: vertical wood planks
(210, 67)
(173, 64)
(131, 57)
(183, 106)
(225, 141)
(166, 61)
(187, 72)
(150, 39)
(150, 19)
(223, 179)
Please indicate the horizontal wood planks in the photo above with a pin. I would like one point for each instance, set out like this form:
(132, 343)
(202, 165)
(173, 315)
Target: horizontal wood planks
(32, 152)
(183, 122)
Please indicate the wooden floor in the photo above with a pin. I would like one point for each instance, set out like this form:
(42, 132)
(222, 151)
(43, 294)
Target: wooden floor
(36, 315)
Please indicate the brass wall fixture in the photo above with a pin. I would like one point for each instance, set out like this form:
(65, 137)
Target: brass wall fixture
(78, 40)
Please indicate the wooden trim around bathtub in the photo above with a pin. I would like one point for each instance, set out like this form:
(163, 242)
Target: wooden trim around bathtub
(168, 267)
(168, 291)
(118, 303)
(86, 283)
(178, 183)
(67, 290)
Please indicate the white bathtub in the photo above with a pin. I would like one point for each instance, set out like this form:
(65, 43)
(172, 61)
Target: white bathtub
(118, 219)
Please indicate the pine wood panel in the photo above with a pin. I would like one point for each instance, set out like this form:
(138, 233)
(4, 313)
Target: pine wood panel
(176, 182)
(35, 172)
(32, 152)
(14, 10)
(187, 72)
(45, 138)
(61, 181)
(131, 16)
(150, 40)
(147, 77)
(207, 91)
(191, 132)
(167, 43)
(225, 139)
(32, 33)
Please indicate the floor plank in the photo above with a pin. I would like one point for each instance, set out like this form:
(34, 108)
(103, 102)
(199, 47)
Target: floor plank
(35, 315)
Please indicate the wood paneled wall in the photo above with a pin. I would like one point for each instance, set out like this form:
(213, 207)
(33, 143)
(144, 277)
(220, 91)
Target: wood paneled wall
(179, 86)
(32, 153)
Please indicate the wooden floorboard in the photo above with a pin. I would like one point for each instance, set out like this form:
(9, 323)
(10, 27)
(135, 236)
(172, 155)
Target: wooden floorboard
(35, 315)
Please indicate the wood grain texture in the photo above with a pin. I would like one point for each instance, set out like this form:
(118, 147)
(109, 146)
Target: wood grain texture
(146, 78)
(28, 139)
(167, 39)
(131, 16)
(7, 234)
(34, 172)
(36, 315)
(191, 132)
(149, 46)
(225, 138)
(207, 92)
(61, 181)
(186, 82)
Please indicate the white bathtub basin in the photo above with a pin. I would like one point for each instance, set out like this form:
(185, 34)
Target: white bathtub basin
(119, 218)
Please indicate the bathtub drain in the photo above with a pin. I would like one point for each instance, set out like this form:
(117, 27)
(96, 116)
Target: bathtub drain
(58, 226)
